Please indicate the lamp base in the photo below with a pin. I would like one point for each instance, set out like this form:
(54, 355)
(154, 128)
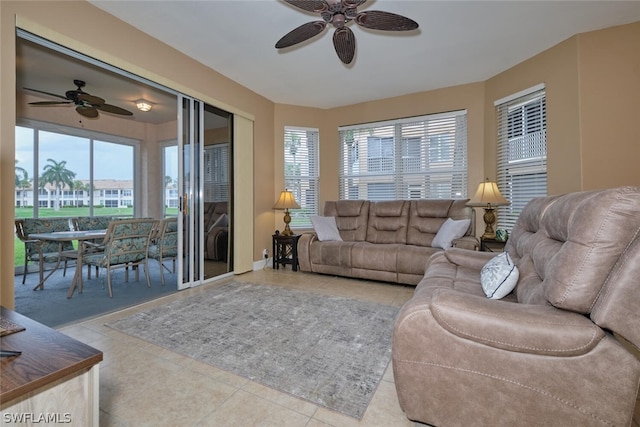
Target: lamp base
(287, 219)
(489, 220)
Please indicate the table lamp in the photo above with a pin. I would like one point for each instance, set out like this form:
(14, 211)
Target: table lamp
(286, 201)
(488, 196)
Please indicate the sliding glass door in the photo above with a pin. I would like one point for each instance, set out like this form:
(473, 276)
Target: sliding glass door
(190, 136)
(204, 158)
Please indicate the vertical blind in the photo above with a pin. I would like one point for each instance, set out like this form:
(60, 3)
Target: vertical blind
(522, 153)
(412, 158)
(301, 172)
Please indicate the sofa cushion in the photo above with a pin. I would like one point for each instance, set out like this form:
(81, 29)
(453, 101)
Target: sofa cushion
(574, 242)
(388, 222)
(326, 228)
(426, 217)
(450, 230)
(499, 276)
(351, 218)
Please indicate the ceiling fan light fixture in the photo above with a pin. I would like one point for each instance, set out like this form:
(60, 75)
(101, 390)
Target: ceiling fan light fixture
(144, 105)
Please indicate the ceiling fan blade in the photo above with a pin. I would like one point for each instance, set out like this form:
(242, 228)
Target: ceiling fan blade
(113, 109)
(302, 33)
(387, 21)
(93, 100)
(309, 5)
(353, 3)
(47, 93)
(345, 44)
(50, 103)
(86, 111)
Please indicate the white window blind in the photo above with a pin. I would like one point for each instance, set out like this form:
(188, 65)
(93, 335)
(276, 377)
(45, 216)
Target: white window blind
(522, 153)
(414, 158)
(301, 173)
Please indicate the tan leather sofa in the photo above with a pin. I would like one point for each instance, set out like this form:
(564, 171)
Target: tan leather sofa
(388, 241)
(548, 354)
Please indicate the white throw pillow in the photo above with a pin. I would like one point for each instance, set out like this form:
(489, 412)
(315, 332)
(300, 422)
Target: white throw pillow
(326, 228)
(222, 221)
(450, 231)
(499, 276)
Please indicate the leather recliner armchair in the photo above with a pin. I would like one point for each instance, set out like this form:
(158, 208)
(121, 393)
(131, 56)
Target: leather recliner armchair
(549, 353)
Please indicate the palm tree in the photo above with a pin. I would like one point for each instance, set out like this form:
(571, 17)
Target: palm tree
(56, 174)
(22, 181)
(21, 174)
(78, 186)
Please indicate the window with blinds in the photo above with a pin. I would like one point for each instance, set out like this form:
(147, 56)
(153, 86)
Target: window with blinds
(414, 158)
(522, 152)
(301, 173)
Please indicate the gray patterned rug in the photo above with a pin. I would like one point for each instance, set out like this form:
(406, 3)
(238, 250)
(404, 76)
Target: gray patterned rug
(329, 350)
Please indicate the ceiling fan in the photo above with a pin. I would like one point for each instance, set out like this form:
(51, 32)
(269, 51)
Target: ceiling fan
(339, 13)
(86, 105)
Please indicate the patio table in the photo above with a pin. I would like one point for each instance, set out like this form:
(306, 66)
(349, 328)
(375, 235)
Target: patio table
(65, 236)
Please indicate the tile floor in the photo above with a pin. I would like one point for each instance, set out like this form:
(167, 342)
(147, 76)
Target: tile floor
(145, 385)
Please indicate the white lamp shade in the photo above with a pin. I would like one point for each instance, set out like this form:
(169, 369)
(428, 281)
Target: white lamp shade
(488, 194)
(286, 201)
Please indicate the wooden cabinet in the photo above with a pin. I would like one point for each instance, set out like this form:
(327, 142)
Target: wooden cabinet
(54, 380)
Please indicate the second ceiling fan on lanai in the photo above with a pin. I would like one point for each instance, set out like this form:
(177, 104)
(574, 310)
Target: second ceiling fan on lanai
(86, 105)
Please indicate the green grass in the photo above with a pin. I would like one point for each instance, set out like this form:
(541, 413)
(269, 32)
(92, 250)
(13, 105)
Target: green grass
(18, 246)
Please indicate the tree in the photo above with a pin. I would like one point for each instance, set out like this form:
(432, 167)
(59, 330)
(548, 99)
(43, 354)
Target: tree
(21, 175)
(23, 182)
(78, 186)
(57, 174)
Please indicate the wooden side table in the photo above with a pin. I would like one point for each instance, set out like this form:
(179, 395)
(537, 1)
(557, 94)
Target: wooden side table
(491, 245)
(285, 251)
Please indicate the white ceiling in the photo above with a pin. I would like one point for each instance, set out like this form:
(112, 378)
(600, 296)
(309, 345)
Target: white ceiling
(458, 42)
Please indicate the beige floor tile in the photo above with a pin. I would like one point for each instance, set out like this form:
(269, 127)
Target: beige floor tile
(248, 409)
(283, 399)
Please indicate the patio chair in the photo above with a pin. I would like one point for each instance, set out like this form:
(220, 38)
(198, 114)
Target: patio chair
(86, 223)
(165, 246)
(126, 244)
(43, 251)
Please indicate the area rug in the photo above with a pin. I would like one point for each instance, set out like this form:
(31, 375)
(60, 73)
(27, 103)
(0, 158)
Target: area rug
(329, 350)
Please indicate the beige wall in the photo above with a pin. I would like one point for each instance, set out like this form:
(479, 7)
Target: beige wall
(592, 82)
(609, 84)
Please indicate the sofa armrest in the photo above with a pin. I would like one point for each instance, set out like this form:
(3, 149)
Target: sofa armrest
(304, 253)
(467, 242)
(522, 328)
(468, 258)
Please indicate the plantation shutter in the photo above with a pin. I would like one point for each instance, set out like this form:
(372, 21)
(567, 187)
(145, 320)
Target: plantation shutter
(522, 151)
(412, 158)
(301, 173)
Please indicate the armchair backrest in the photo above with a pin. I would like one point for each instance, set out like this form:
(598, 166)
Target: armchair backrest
(27, 226)
(83, 223)
(581, 252)
(167, 238)
(127, 240)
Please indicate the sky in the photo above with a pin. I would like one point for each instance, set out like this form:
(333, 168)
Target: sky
(111, 161)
